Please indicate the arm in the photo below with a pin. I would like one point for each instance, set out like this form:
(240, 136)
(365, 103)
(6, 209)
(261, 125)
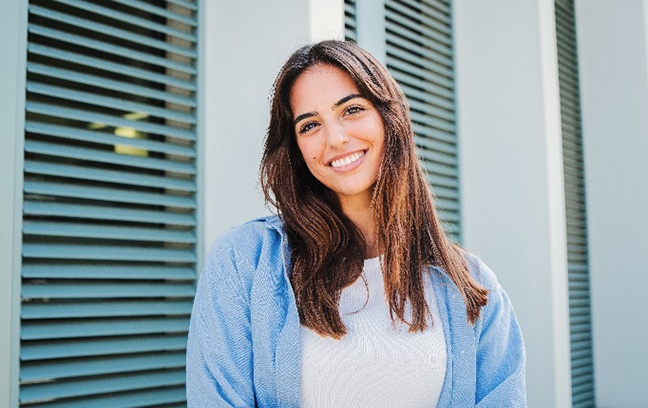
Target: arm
(500, 350)
(219, 349)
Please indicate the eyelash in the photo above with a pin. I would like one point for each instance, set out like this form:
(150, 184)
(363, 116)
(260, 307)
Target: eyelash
(351, 110)
(307, 127)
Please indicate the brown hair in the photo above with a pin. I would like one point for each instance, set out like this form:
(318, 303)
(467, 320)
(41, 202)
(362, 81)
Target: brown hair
(327, 247)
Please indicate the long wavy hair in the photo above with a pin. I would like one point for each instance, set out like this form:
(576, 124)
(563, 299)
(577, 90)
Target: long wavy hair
(328, 249)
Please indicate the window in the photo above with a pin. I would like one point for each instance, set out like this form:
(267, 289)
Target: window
(109, 228)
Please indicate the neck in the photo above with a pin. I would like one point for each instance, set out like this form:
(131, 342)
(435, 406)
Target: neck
(361, 214)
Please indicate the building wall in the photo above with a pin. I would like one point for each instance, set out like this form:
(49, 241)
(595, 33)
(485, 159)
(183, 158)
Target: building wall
(613, 54)
(511, 174)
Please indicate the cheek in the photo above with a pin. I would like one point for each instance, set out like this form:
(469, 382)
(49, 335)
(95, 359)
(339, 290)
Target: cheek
(310, 150)
(303, 151)
(310, 158)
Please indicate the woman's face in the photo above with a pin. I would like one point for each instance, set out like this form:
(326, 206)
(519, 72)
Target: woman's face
(340, 133)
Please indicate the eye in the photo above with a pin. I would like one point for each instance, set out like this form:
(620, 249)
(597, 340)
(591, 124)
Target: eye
(353, 110)
(307, 127)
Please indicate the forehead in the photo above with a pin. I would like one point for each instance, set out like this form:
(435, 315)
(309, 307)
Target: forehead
(319, 87)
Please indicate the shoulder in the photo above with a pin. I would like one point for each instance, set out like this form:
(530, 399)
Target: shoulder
(477, 269)
(498, 305)
(498, 308)
(234, 255)
(248, 236)
(500, 362)
(481, 273)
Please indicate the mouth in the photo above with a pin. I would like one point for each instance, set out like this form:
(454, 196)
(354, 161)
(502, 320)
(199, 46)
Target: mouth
(346, 161)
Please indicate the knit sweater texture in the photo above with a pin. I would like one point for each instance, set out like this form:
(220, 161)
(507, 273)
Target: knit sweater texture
(378, 363)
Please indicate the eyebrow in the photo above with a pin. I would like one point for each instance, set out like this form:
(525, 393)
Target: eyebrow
(346, 99)
(335, 105)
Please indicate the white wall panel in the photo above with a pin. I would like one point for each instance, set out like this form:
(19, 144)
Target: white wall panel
(511, 174)
(613, 58)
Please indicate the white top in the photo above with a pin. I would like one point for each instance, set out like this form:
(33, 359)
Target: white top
(378, 363)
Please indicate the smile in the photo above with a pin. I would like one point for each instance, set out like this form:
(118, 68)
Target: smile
(345, 161)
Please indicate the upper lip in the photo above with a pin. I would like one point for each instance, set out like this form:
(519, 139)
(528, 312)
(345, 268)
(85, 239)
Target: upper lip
(344, 155)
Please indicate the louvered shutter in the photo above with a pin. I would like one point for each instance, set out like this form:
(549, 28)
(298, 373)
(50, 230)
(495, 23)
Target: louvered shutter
(420, 57)
(579, 298)
(109, 228)
(350, 20)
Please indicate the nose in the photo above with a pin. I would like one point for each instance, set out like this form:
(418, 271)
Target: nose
(336, 136)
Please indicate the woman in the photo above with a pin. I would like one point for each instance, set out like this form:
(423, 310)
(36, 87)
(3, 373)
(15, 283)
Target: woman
(353, 295)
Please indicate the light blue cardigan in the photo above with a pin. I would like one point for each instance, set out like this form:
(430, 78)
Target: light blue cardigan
(243, 347)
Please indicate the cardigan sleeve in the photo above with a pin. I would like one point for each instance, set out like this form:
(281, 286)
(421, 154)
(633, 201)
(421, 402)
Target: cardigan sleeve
(501, 357)
(219, 349)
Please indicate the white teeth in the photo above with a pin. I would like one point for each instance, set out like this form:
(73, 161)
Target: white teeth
(347, 160)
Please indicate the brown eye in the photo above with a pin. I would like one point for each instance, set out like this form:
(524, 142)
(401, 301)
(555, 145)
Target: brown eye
(354, 109)
(306, 127)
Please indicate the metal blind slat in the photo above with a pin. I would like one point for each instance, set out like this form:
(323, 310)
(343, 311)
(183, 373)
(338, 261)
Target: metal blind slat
(104, 384)
(83, 153)
(350, 20)
(418, 51)
(108, 102)
(107, 138)
(107, 194)
(190, 5)
(107, 213)
(109, 48)
(441, 181)
(107, 271)
(425, 97)
(448, 216)
(449, 204)
(121, 86)
(432, 133)
(443, 48)
(106, 365)
(132, 399)
(111, 308)
(429, 109)
(396, 19)
(125, 17)
(439, 10)
(157, 11)
(111, 176)
(102, 327)
(100, 290)
(107, 253)
(446, 191)
(87, 116)
(45, 208)
(108, 66)
(435, 74)
(422, 119)
(41, 350)
(115, 32)
(436, 145)
(421, 11)
(438, 163)
(67, 229)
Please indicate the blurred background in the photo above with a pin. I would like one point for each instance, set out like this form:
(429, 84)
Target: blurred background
(132, 133)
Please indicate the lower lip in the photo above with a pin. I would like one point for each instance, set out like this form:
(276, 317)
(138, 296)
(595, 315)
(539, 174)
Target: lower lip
(351, 166)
